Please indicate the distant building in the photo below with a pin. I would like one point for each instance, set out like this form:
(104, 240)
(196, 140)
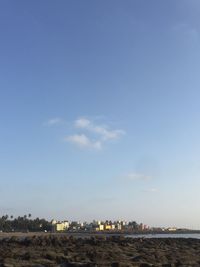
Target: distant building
(119, 226)
(113, 226)
(53, 222)
(100, 227)
(141, 227)
(59, 226)
(108, 227)
(172, 229)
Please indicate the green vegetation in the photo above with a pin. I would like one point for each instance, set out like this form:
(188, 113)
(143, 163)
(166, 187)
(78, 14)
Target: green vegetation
(23, 223)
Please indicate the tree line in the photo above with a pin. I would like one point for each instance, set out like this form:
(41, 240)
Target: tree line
(23, 223)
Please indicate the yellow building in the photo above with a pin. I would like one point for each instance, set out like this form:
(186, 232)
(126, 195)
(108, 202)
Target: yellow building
(108, 227)
(100, 227)
(60, 226)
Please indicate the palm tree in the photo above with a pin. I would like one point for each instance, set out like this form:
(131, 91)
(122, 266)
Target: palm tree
(4, 217)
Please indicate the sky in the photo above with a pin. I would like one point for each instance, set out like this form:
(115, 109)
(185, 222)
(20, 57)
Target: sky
(99, 110)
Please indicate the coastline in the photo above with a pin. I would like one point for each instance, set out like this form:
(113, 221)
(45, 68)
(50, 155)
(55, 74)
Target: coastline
(81, 234)
(61, 250)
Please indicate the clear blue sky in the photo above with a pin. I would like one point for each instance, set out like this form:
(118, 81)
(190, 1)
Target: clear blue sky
(99, 110)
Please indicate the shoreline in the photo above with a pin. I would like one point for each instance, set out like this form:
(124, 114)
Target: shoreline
(96, 234)
(61, 250)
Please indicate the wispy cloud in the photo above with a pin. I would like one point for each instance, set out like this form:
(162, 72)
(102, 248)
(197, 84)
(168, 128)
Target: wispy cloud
(82, 141)
(151, 190)
(103, 131)
(87, 134)
(136, 176)
(92, 136)
(54, 121)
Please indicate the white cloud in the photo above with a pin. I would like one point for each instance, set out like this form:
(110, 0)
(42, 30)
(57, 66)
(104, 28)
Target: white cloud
(136, 176)
(103, 131)
(89, 135)
(81, 140)
(54, 121)
(82, 123)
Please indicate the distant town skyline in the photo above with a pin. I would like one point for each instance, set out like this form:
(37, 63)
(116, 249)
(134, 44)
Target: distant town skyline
(99, 110)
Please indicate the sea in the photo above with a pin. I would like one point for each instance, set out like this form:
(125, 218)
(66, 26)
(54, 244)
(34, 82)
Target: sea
(190, 235)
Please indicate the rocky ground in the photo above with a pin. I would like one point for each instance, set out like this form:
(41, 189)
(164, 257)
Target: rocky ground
(101, 251)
